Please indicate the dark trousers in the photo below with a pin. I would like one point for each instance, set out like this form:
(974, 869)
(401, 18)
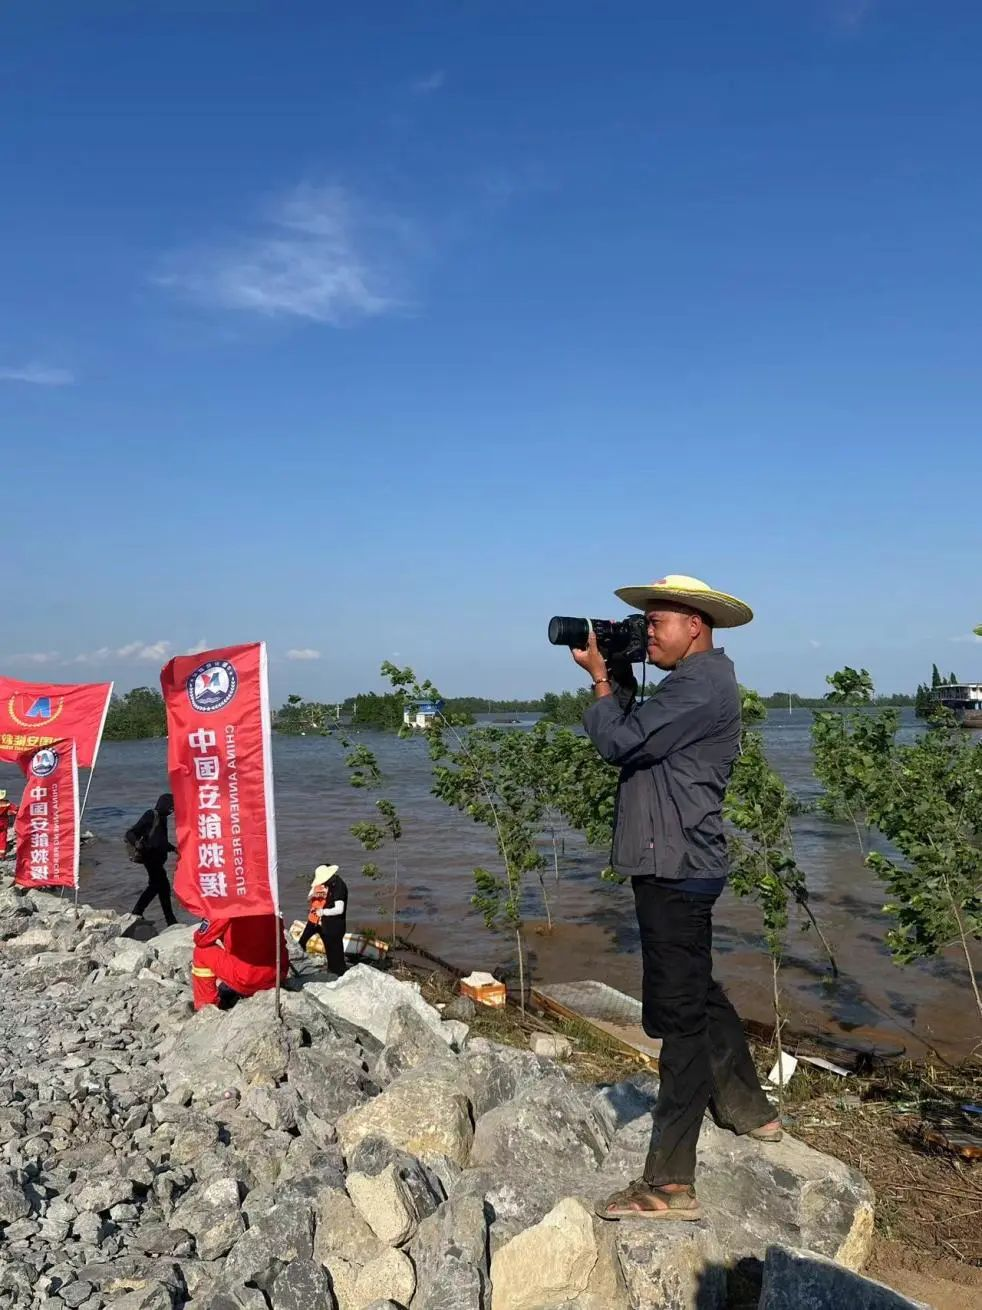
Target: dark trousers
(158, 884)
(705, 1061)
(333, 939)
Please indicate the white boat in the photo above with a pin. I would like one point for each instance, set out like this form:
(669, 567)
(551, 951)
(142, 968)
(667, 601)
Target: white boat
(964, 699)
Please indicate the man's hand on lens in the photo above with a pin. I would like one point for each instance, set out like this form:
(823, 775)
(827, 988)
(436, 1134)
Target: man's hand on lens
(591, 659)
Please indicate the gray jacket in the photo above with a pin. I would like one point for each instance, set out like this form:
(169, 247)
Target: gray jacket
(676, 752)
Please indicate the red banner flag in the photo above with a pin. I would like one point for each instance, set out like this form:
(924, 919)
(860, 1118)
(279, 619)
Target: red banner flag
(220, 765)
(47, 822)
(36, 714)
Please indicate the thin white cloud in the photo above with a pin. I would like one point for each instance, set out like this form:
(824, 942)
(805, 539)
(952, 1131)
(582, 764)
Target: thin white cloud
(132, 650)
(316, 256)
(852, 14)
(425, 86)
(36, 657)
(155, 651)
(38, 375)
(304, 653)
(94, 656)
(967, 636)
(813, 643)
(199, 645)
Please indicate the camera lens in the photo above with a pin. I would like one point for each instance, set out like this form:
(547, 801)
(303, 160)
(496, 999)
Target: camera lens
(569, 632)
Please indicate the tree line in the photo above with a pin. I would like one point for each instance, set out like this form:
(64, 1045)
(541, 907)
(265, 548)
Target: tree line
(140, 713)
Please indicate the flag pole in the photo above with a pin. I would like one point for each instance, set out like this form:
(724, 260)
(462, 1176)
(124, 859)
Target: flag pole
(95, 753)
(85, 798)
(271, 857)
(279, 936)
(78, 815)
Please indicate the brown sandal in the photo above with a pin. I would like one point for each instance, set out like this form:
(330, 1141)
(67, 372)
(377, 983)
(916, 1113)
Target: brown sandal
(634, 1202)
(765, 1133)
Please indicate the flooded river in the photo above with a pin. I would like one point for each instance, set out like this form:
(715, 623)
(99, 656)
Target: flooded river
(919, 1007)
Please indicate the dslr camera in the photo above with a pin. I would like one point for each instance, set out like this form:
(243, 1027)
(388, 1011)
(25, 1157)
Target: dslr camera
(621, 639)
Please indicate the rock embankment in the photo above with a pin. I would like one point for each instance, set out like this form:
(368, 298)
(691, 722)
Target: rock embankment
(359, 1152)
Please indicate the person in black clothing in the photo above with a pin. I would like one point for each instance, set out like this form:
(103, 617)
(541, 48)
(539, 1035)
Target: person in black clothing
(676, 752)
(327, 915)
(151, 845)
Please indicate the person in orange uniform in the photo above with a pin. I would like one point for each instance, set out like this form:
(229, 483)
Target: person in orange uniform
(235, 958)
(8, 812)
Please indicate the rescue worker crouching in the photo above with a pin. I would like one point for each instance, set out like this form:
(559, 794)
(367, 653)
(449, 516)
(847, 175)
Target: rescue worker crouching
(236, 957)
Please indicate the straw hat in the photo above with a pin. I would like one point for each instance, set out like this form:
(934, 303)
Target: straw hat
(724, 611)
(324, 873)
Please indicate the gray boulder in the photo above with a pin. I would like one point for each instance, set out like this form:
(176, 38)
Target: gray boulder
(99, 1194)
(217, 1049)
(546, 1127)
(757, 1195)
(320, 1027)
(367, 998)
(461, 1008)
(276, 1107)
(450, 1252)
(174, 946)
(374, 1155)
(550, 1046)
(803, 1280)
(303, 1285)
(14, 1202)
(409, 1040)
(329, 1082)
(626, 1104)
(781, 1194)
(672, 1266)
(423, 1111)
(35, 940)
(128, 956)
(156, 1297)
(210, 1212)
(130, 1274)
(237, 1298)
(283, 1234)
(193, 1137)
(496, 1073)
(50, 967)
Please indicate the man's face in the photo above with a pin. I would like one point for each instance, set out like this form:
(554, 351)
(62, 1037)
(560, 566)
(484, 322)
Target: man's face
(671, 632)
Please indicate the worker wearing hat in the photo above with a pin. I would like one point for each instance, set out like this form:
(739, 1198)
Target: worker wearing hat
(8, 813)
(327, 915)
(675, 752)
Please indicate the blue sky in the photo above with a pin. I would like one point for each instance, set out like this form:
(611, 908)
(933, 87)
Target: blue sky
(388, 331)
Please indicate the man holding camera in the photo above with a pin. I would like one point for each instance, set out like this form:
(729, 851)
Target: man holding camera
(675, 752)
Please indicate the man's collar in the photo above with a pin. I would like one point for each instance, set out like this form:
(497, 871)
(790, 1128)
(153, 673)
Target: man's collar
(698, 655)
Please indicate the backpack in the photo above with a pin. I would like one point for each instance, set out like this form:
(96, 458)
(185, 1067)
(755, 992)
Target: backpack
(136, 849)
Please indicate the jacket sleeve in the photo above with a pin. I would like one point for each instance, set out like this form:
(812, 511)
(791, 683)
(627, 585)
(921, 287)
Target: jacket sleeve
(141, 828)
(211, 931)
(680, 712)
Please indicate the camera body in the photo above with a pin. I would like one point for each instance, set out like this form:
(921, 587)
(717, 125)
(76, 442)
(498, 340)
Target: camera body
(623, 639)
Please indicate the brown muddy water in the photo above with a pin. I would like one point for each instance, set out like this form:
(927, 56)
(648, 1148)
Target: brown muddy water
(922, 1008)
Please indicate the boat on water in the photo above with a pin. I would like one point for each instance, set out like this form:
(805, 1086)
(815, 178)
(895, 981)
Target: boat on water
(964, 699)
